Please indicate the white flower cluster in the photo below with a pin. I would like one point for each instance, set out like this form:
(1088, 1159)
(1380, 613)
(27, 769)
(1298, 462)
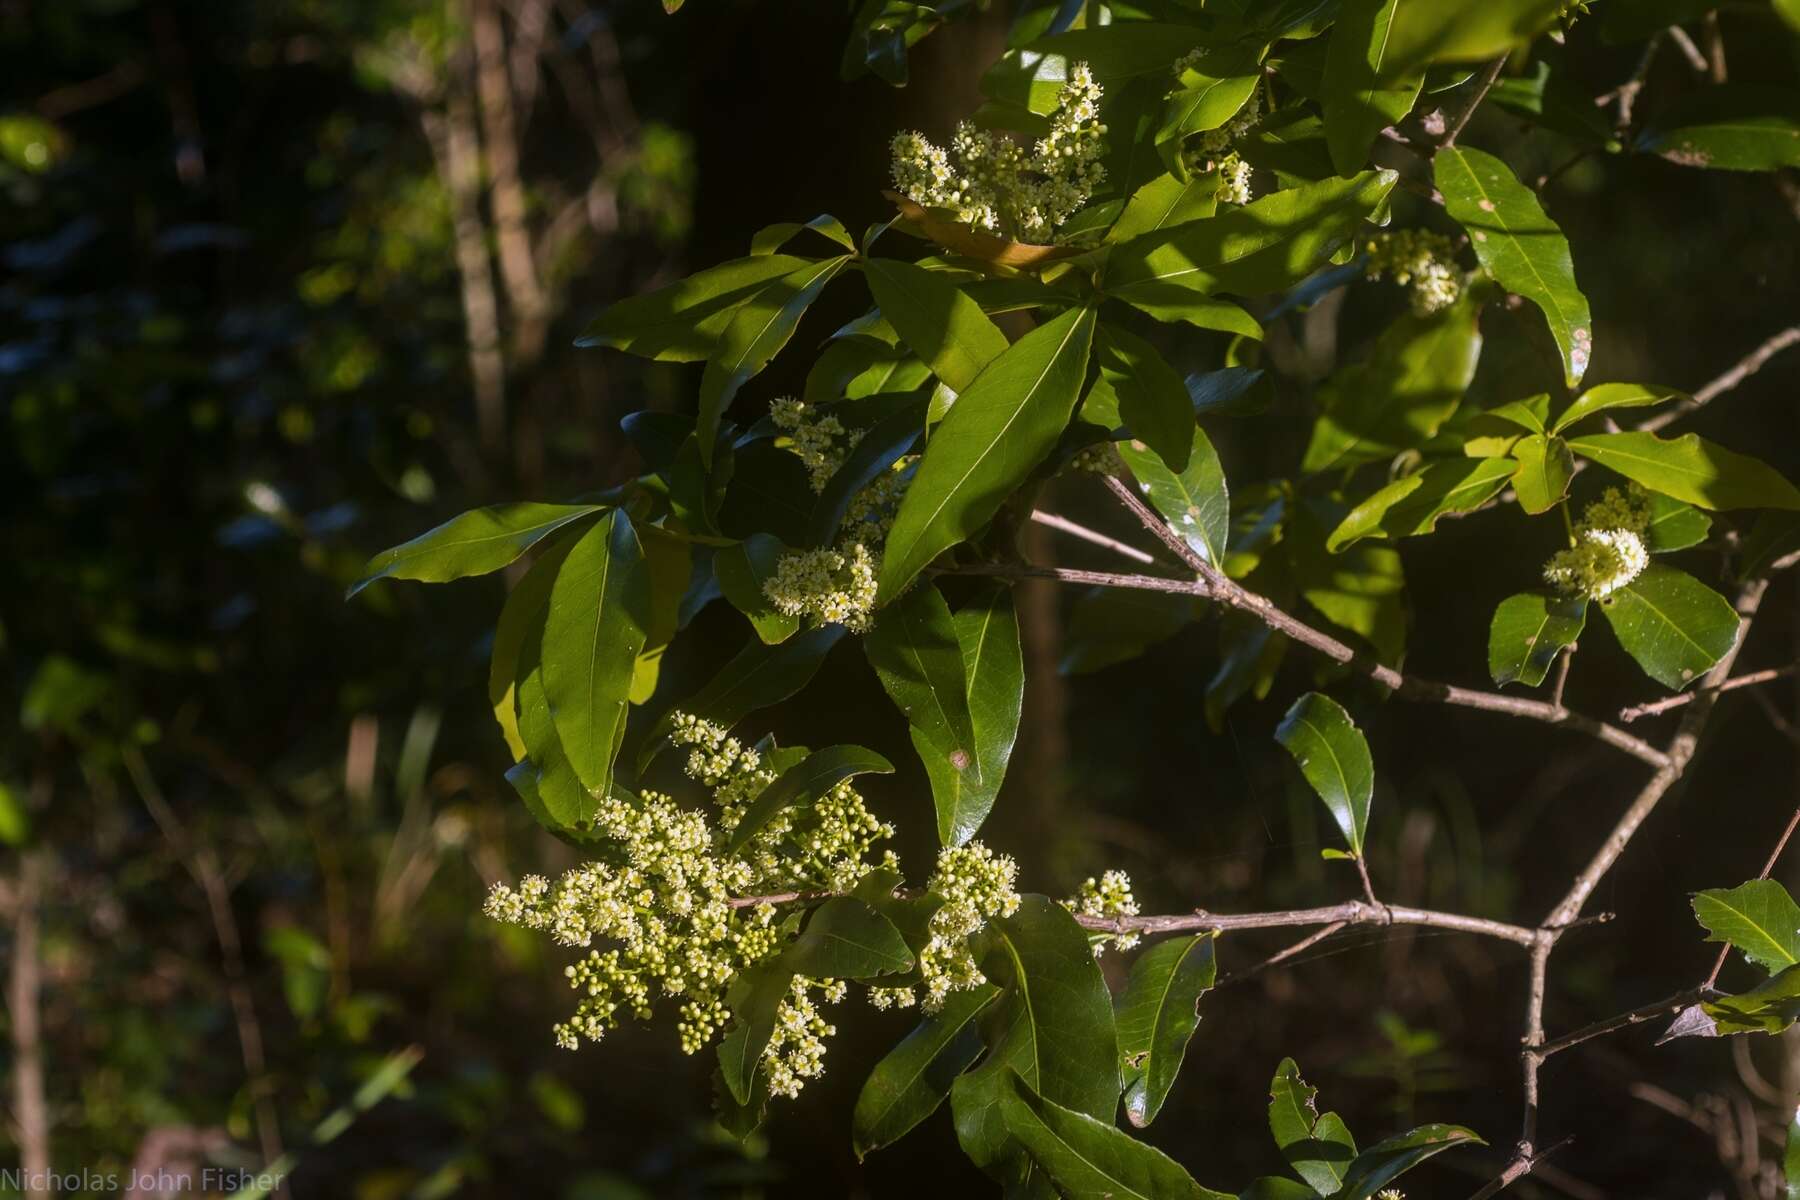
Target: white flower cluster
(974, 884)
(1422, 259)
(796, 1050)
(664, 891)
(834, 585)
(1609, 549)
(1213, 151)
(1108, 896)
(992, 184)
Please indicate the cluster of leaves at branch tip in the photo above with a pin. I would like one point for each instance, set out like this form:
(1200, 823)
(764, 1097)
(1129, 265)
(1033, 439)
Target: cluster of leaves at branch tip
(1099, 251)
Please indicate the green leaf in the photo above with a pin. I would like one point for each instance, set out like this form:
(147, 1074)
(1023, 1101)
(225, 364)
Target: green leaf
(1674, 525)
(1519, 245)
(1732, 127)
(1357, 104)
(1412, 504)
(998, 430)
(1153, 400)
(521, 620)
(1362, 589)
(802, 784)
(682, 322)
(1758, 918)
(1402, 394)
(1165, 201)
(1790, 12)
(1672, 624)
(593, 630)
(1616, 395)
(1433, 31)
(1278, 1187)
(1156, 1015)
(1195, 502)
(1528, 632)
(475, 543)
(987, 632)
(960, 681)
(1690, 468)
(1319, 1148)
(741, 569)
(1089, 1159)
(669, 565)
(916, 655)
(1267, 245)
(1211, 94)
(771, 238)
(757, 676)
(1053, 1025)
(933, 317)
(757, 333)
(1545, 467)
(1391, 1158)
(1769, 1007)
(1335, 760)
(909, 1083)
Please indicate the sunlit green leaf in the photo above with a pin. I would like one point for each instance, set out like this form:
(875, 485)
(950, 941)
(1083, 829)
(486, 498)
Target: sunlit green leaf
(1390, 1158)
(1334, 758)
(1733, 127)
(1758, 918)
(1545, 467)
(1156, 1015)
(995, 434)
(1195, 502)
(1672, 624)
(1153, 401)
(1318, 1148)
(1690, 468)
(1615, 395)
(1089, 1159)
(683, 321)
(1412, 504)
(1519, 245)
(475, 543)
(941, 325)
(1528, 632)
(909, 1083)
(1357, 103)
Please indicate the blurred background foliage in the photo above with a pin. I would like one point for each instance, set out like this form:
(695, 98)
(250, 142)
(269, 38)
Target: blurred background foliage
(285, 282)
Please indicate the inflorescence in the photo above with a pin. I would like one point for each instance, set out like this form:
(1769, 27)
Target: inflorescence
(663, 890)
(992, 184)
(1608, 551)
(1108, 896)
(1424, 260)
(834, 584)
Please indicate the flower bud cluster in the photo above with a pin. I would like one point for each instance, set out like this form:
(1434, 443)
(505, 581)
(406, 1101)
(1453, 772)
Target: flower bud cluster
(974, 884)
(663, 892)
(796, 1050)
(1108, 896)
(1424, 260)
(992, 184)
(1213, 150)
(834, 585)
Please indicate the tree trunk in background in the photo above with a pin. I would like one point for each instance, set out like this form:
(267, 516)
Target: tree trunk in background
(31, 1114)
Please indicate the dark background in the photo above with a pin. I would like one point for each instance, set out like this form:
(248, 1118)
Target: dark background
(230, 272)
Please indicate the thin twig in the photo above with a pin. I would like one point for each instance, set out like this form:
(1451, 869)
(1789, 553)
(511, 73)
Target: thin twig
(1054, 521)
(1745, 367)
(1213, 583)
(1680, 37)
(1304, 944)
(1488, 75)
(1637, 1016)
(1350, 912)
(1628, 715)
(1768, 867)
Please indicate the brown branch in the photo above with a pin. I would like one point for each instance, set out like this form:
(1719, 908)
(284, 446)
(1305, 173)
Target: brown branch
(1064, 525)
(1747, 366)
(1625, 1020)
(1350, 912)
(1214, 585)
(1483, 83)
(1628, 715)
